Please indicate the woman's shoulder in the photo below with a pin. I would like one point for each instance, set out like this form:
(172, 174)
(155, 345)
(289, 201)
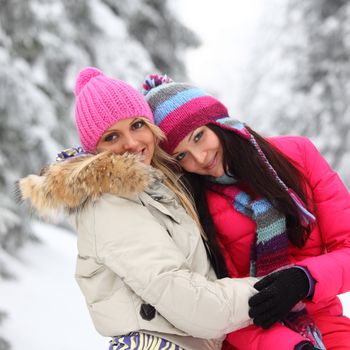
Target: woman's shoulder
(108, 208)
(73, 184)
(289, 141)
(294, 147)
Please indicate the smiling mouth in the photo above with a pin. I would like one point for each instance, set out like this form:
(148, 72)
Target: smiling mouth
(141, 153)
(212, 164)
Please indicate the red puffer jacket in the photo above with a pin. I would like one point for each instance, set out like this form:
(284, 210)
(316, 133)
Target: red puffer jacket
(326, 254)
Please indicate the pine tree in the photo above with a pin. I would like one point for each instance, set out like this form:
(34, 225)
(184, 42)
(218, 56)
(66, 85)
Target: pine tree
(43, 45)
(301, 86)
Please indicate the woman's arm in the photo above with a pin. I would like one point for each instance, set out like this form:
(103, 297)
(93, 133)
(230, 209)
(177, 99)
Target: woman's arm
(332, 200)
(138, 249)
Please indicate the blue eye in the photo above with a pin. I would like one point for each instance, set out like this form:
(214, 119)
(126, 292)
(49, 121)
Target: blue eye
(180, 156)
(198, 136)
(138, 124)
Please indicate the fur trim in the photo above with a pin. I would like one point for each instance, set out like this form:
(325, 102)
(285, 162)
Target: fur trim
(70, 184)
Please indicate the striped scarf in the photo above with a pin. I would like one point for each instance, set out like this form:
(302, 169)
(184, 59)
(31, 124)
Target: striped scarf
(270, 251)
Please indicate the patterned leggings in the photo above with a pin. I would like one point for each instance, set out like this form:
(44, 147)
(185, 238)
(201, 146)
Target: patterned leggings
(141, 341)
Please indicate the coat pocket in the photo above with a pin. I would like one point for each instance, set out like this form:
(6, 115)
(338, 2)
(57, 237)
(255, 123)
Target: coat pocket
(87, 267)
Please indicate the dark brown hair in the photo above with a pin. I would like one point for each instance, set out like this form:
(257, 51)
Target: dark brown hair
(242, 159)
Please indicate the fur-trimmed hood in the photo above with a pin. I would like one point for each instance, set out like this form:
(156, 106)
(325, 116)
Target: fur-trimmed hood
(72, 183)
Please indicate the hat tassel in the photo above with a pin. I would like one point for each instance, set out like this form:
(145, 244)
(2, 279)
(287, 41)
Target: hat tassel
(306, 216)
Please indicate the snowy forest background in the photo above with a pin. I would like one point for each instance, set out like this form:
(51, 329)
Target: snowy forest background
(296, 81)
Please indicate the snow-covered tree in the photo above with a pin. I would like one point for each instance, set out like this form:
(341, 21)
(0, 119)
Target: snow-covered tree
(301, 81)
(43, 45)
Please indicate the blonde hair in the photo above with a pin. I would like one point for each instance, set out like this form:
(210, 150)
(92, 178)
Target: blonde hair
(167, 165)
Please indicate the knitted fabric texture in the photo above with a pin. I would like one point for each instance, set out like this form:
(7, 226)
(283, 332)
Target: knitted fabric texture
(239, 128)
(270, 251)
(179, 108)
(102, 101)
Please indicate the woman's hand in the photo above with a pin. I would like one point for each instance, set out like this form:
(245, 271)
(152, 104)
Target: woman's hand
(278, 293)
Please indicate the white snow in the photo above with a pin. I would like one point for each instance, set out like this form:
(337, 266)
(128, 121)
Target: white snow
(229, 32)
(45, 306)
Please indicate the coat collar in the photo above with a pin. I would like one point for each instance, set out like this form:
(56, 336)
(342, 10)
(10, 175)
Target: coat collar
(69, 185)
(163, 199)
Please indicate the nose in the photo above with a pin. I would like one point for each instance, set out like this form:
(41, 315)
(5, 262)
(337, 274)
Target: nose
(199, 156)
(129, 143)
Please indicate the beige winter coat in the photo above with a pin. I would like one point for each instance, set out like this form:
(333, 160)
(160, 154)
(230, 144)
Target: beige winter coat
(138, 248)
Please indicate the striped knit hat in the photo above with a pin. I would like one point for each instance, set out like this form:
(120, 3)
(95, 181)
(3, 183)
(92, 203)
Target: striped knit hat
(102, 101)
(179, 108)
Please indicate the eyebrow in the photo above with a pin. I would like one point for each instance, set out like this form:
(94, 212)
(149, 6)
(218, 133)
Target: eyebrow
(135, 118)
(174, 154)
(110, 130)
(189, 139)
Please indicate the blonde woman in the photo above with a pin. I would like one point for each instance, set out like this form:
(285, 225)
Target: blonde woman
(142, 263)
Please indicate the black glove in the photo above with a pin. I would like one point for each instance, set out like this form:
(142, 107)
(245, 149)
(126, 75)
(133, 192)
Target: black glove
(306, 346)
(278, 293)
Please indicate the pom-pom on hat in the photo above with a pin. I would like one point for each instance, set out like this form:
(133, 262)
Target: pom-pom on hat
(102, 101)
(179, 108)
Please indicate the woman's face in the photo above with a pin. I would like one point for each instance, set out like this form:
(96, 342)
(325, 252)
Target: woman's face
(201, 152)
(130, 135)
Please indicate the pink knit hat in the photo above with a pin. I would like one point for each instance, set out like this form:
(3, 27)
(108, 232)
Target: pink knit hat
(102, 101)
